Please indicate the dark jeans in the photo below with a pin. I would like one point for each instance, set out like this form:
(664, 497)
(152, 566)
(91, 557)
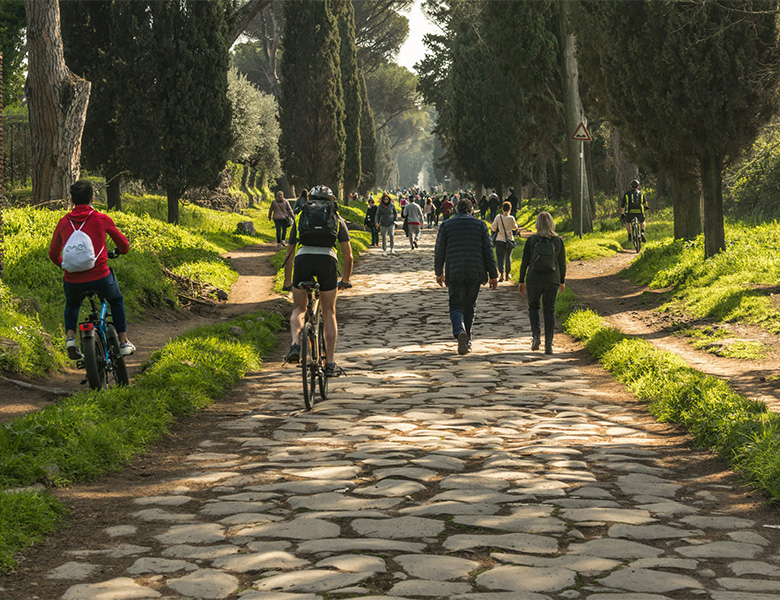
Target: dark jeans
(107, 288)
(463, 305)
(374, 235)
(503, 258)
(281, 229)
(546, 293)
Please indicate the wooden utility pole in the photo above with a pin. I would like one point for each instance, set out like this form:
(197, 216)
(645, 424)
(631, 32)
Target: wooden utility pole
(57, 100)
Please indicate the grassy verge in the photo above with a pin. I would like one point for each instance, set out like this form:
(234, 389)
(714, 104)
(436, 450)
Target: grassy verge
(742, 431)
(735, 285)
(92, 433)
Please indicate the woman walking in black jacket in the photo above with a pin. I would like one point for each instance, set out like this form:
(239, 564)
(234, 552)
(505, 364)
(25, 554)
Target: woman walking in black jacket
(544, 263)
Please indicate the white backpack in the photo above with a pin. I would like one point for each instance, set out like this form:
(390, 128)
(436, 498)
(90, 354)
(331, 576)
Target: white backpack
(79, 254)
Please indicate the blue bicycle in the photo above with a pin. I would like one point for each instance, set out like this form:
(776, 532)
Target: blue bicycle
(102, 359)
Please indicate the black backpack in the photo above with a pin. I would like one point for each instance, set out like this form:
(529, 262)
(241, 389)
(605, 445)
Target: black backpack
(318, 223)
(543, 258)
(634, 200)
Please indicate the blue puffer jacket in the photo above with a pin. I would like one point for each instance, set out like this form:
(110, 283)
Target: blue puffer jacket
(464, 251)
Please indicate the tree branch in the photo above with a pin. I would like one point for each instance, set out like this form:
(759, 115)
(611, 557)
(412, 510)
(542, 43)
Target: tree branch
(244, 16)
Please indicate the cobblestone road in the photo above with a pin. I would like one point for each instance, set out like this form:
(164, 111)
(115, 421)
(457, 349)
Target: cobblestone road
(500, 475)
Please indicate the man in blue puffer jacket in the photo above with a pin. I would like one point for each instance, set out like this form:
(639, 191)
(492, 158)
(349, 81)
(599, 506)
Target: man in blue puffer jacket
(464, 261)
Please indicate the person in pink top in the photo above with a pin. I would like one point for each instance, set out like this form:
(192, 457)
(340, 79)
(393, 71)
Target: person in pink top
(100, 278)
(281, 214)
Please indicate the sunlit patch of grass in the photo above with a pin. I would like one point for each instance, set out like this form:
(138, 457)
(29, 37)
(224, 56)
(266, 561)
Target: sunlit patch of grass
(719, 341)
(25, 517)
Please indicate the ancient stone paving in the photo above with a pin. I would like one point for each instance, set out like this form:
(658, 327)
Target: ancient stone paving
(500, 475)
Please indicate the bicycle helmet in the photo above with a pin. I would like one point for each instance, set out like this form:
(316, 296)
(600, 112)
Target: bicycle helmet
(635, 183)
(323, 192)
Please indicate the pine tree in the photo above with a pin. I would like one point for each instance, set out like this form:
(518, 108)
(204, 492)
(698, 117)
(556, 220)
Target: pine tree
(175, 115)
(350, 85)
(311, 107)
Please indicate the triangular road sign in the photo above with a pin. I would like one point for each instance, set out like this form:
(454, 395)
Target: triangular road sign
(581, 135)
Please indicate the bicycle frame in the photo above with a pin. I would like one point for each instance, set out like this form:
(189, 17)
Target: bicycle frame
(102, 358)
(312, 344)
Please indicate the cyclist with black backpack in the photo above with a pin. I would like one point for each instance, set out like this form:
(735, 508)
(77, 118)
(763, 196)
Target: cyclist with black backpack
(542, 275)
(633, 204)
(316, 232)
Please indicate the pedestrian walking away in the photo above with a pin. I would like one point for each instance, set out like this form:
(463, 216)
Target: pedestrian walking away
(316, 259)
(281, 214)
(370, 222)
(542, 276)
(446, 207)
(414, 219)
(304, 196)
(493, 204)
(504, 227)
(82, 229)
(464, 261)
(514, 201)
(386, 216)
(429, 210)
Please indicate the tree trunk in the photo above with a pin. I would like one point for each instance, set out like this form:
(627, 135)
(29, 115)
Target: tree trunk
(589, 181)
(712, 188)
(173, 206)
(2, 175)
(243, 17)
(625, 171)
(114, 190)
(686, 197)
(572, 110)
(57, 102)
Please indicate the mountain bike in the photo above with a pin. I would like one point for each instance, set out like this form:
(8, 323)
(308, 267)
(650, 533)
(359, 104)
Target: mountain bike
(313, 346)
(636, 234)
(102, 357)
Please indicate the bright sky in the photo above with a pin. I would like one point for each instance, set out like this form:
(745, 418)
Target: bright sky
(413, 49)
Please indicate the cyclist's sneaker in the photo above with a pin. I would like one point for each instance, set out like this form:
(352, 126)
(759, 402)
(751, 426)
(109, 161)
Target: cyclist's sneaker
(644, 239)
(333, 370)
(126, 348)
(72, 346)
(294, 355)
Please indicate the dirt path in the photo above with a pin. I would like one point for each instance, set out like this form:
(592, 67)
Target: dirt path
(251, 292)
(631, 308)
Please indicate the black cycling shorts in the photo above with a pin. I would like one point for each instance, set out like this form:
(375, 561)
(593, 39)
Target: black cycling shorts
(321, 267)
(640, 217)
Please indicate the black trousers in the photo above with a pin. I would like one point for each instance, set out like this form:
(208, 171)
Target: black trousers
(542, 294)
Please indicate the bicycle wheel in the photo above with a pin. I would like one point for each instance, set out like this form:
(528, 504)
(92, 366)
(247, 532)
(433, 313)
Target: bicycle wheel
(637, 235)
(118, 370)
(321, 379)
(94, 362)
(308, 365)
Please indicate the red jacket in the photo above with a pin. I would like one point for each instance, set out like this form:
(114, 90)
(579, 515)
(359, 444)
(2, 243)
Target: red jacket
(97, 225)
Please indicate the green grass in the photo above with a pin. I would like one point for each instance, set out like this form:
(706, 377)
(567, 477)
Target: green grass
(735, 285)
(742, 431)
(25, 518)
(90, 434)
(719, 341)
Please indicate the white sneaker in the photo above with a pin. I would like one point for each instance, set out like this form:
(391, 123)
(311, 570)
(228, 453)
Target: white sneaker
(126, 348)
(384, 253)
(392, 251)
(72, 346)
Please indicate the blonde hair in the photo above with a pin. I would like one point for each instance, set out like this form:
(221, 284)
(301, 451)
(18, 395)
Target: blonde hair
(545, 226)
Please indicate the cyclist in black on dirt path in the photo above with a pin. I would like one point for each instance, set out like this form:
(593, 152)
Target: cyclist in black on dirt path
(314, 245)
(633, 204)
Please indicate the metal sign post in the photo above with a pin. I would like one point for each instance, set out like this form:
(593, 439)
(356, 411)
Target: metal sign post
(582, 135)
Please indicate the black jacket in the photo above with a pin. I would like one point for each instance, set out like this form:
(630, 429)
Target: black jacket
(557, 276)
(464, 251)
(370, 219)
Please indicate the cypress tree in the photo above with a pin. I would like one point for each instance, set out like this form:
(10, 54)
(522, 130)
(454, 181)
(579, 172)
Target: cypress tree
(88, 33)
(176, 113)
(350, 84)
(368, 147)
(311, 107)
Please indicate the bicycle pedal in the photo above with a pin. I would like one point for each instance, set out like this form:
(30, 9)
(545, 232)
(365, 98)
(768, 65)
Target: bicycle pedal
(80, 365)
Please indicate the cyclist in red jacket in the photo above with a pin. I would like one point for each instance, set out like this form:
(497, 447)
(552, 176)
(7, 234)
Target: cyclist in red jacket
(99, 278)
